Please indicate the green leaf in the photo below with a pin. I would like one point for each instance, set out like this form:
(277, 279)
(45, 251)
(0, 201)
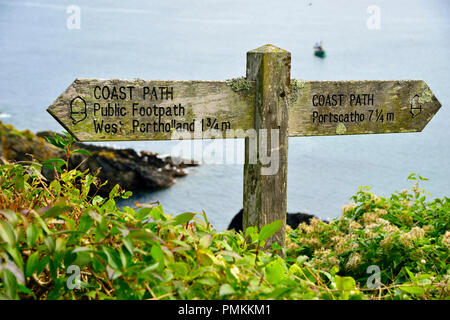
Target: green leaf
(41, 222)
(143, 213)
(269, 230)
(413, 290)
(276, 271)
(412, 176)
(9, 283)
(157, 213)
(251, 231)
(42, 264)
(157, 254)
(32, 235)
(82, 151)
(84, 258)
(205, 241)
(55, 211)
(410, 274)
(85, 222)
(226, 289)
(207, 281)
(345, 283)
(114, 192)
(183, 218)
(21, 288)
(60, 244)
(128, 244)
(50, 244)
(112, 257)
(150, 268)
(10, 215)
(55, 185)
(7, 233)
(179, 268)
(19, 183)
(56, 292)
(127, 194)
(97, 200)
(32, 264)
(15, 254)
(124, 256)
(141, 234)
(109, 206)
(68, 137)
(57, 141)
(181, 243)
(50, 163)
(334, 270)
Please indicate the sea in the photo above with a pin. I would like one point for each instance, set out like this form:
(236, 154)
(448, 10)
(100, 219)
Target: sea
(45, 45)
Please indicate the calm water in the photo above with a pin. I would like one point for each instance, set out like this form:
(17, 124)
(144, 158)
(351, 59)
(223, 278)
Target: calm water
(207, 40)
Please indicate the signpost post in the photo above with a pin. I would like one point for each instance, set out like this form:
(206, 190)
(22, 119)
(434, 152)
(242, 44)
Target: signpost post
(265, 108)
(265, 189)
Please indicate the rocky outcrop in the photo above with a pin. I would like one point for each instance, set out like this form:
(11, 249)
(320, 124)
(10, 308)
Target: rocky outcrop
(131, 170)
(292, 220)
(24, 145)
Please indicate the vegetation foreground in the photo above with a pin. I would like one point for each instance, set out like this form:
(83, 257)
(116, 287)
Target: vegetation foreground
(59, 240)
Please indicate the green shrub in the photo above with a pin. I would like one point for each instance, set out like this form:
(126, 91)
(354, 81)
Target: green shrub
(406, 236)
(58, 241)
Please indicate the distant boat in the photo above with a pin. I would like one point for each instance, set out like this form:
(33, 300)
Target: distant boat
(319, 51)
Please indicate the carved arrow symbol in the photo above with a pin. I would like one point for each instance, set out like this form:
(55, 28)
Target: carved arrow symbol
(416, 108)
(78, 109)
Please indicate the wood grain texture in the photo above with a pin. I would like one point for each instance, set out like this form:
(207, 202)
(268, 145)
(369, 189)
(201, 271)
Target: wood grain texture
(391, 106)
(265, 195)
(214, 102)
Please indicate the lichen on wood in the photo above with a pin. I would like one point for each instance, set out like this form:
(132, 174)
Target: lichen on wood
(239, 84)
(296, 86)
(389, 109)
(206, 105)
(265, 193)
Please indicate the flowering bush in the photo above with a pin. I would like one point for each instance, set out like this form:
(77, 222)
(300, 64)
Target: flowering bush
(405, 236)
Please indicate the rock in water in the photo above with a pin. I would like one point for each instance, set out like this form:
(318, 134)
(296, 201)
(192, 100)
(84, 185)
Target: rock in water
(127, 168)
(292, 219)
(24, 145)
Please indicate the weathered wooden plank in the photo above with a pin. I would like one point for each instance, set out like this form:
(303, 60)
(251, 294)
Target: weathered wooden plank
(114, 110)
(360, 107)
(265, 186)
(98, 110)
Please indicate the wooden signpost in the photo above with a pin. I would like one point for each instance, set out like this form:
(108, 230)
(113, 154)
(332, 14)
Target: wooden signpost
(267, 99)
